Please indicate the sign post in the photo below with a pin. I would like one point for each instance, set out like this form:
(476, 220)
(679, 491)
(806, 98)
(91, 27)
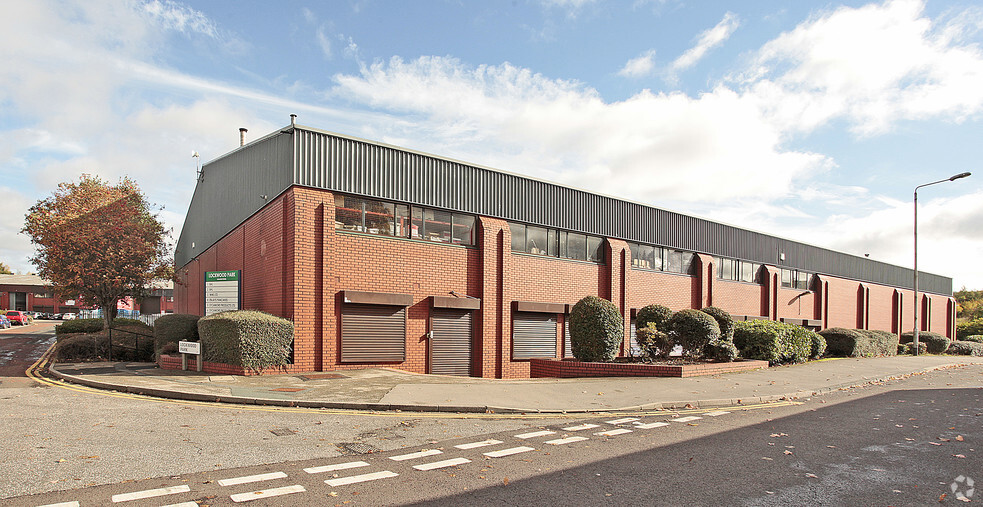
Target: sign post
(186, 348)
(222, 291)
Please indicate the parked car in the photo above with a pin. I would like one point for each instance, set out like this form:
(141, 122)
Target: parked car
(68, 316)
(18, 317)
(5, 322)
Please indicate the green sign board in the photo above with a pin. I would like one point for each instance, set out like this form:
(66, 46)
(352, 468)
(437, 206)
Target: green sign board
(221, 291)
(222, 276)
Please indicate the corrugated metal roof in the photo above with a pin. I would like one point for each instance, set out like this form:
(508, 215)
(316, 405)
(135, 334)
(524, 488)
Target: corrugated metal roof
(314, 158)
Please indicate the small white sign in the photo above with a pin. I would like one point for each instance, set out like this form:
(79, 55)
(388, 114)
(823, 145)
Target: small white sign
(189, 347)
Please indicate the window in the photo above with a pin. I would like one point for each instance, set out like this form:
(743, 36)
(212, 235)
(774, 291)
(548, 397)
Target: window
(802, 280)
(403, 221)
(646, 257)
(786, 278)
(796, 279)
(44, 295)
(741, 271)
(678, 261)
(554, 243)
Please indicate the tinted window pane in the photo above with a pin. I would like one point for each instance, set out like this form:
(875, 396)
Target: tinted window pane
(674, 261)
(726, 269)
(402, 221)
(747, 272)
(563, 244)
(660, 256)
(536, 240)
(686, 262)
(417, 226)
(379, 217)
(802, 280)
(438, 225)
(463, 229)
(595, 249)
(786, 278)
(518, 232)
(576, 246)
(554, 243)
(347, 213)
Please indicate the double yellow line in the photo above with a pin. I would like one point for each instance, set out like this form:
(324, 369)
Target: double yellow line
(35, 372)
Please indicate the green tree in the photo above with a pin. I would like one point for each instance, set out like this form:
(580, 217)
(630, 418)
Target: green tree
(5, 269)
(969, 303)
(98, 242)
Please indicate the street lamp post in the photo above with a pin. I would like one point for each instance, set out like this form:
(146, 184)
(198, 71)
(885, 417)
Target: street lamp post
(917, 305)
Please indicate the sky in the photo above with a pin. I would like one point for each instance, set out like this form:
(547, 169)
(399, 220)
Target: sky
(806, 120)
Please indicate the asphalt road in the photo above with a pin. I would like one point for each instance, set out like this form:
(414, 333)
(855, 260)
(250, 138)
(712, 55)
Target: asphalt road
(903, 442)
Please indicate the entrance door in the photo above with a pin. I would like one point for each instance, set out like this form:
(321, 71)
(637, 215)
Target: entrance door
(450, 346)
(18, 301)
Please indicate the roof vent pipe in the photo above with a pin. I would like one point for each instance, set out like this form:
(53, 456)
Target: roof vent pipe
(293, 120)
(242, 136)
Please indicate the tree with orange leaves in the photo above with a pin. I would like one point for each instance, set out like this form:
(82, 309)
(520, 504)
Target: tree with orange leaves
(98, 242)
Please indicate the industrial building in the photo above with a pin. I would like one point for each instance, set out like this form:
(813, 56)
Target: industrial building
(383, 256)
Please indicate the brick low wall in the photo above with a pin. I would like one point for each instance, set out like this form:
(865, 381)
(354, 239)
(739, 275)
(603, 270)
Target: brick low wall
(168, 362)
(540, 368)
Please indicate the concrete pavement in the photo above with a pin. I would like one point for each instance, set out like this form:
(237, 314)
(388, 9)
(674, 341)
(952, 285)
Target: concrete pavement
(387, 389)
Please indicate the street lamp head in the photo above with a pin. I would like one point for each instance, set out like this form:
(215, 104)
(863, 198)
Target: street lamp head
(960, 175)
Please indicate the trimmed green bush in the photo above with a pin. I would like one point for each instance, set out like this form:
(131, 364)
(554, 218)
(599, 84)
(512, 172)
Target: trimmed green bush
(964, 329)
(123, 321)
(936, 343)
(173, 328)
(79, 326)
(693, 329)
(653, 314)
(775, 342)
(843, 342)
(724, 322)
(909, 348)
(596, 330)
(723, 351)
(818, 347)
(246, 338)
(655, 344)
(82, 347)
(978, 338)
(965, 348)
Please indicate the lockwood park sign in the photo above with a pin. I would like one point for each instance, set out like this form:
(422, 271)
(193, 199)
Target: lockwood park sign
(222, 291)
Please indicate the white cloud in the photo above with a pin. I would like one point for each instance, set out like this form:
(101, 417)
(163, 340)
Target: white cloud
(708, 40)
(873, 65)
(182, 18)
(323, 41)
(639, 66)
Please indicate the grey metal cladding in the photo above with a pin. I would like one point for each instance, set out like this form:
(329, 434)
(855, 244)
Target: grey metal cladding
(333, 162)
(230, 191)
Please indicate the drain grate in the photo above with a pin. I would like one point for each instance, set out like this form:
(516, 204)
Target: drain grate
(282, 432)
(320, 376)
(353, 448)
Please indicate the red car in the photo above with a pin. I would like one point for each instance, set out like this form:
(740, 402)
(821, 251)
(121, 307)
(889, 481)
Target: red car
(18, 317)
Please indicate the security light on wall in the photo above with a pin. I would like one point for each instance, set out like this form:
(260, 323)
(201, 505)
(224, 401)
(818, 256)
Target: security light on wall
(194, 155)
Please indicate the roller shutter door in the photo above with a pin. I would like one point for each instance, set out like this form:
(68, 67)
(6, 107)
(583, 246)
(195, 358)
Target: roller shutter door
(567, 347)
(373, 333)
(533, 335)
(450, 347)
(636, 349)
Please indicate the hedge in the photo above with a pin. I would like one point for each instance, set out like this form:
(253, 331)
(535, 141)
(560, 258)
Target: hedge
(79, 326)
(973, 338)
(95, 346)
(965, 348)
(654, 343)
(818, 346)
(935, 342)
(775, 342)
(843, 342)
(653, 314)
(173, 328)
(908, 348)
(720, 350)
(693, 330)
(246, 338)
(724, 322)
(596, 330)
(973, 327)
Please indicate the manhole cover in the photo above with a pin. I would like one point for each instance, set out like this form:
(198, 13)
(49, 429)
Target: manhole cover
(282, 432)
(289, 389)
(320, 376)
(353, 448)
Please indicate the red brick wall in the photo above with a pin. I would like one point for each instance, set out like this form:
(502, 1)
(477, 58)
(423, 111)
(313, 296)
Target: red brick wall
(738, 298)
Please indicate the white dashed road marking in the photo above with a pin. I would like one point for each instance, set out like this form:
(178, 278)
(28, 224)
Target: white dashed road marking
(581, 427)
(568, 440)
(442, 464)
(333, 468)
(483, 443)
(267, 493)
(649, 426)
(717, 413)
(150, 493)
(342, 481)
(251, 478)
(686, 419)
(623, 421)
(182, 504)
(414, 455)
(508, 452)
(535, 434)
(611, 433)
(62, 504)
